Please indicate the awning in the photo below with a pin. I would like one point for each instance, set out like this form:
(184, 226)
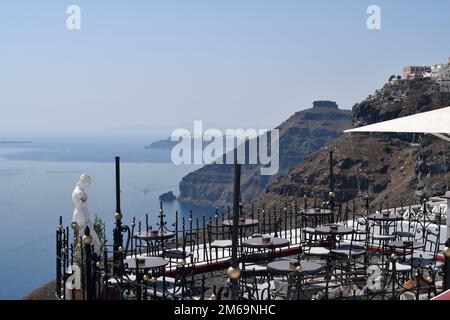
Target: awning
(436, 122)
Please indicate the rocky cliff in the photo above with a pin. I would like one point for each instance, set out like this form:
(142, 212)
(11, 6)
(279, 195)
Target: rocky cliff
(300, 135)
(392, 168)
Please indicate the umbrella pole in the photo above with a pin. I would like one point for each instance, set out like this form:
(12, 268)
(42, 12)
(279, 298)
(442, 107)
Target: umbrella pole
(446, 252)
(233, 271)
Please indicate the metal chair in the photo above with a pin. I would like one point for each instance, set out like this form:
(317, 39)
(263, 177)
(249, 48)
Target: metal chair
(253, 289)
(187, 250)
(218, 239)
(311, 246)
(349, 253)
(407, 228)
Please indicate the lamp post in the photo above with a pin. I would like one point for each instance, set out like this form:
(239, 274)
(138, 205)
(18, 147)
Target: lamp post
(117, 237)
(234, 271)
(367, 200)
(331, 194)
(447, 247)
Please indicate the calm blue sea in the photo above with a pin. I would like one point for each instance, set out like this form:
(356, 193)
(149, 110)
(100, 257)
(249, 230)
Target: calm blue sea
(36, 183)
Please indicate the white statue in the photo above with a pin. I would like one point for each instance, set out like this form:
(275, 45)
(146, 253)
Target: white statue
(81, 212)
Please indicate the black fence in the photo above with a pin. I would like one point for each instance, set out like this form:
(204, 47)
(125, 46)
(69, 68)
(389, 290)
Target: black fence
(189, 245)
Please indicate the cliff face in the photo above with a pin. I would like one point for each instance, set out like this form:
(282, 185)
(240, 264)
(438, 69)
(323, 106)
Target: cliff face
(402, 98)
(300, 135)
(393, 168)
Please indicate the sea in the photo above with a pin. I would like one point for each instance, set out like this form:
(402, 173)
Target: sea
(36, 184)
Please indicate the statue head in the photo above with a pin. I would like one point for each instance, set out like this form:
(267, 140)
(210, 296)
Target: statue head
(85, 181)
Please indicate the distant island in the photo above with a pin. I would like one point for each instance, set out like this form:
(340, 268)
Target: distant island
(164, 144)
(15, 142)
(167, 197)
(167, 144)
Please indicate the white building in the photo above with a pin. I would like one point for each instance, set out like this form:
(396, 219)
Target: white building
(441, 73)
(435, 71)
(445, 84)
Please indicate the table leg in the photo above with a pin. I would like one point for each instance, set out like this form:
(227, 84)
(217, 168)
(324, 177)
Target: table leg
(139, 281)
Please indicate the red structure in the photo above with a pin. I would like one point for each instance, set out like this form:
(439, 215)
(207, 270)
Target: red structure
(443, 297)
(415, 72)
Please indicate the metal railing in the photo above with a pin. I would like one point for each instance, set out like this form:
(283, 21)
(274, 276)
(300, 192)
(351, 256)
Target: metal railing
(104, 277)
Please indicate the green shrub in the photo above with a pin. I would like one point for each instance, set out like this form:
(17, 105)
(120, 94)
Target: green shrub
(99, 228)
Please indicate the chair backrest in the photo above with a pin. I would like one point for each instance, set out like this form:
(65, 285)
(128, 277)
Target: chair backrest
(411, 222)
(249, 285)
(254, 257)
(270, 223)
(129, 242)
(432, 239)
(353, 238)
(218, 232)
(407, 253)
(182, 284)
(190, 240)
(295, 284)
(362, 224)
(338, 215)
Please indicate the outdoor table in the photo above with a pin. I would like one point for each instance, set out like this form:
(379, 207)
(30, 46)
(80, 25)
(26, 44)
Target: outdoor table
(316, 215)
(384, 221)
(247, 223)
(285, 266)
(145, 263)
(406, 245)
(159, 236)
(316, 212)
(142, 265)
(402, 246)
(332, 234)
(392, 217)
(259, 243)
(327, 230)
(242, 225)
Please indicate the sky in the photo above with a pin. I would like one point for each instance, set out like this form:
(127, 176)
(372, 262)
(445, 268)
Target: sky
(140, 67)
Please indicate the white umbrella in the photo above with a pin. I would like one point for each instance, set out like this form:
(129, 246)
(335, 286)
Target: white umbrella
(436, 122)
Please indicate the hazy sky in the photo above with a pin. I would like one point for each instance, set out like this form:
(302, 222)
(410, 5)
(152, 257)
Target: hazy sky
(146, 65)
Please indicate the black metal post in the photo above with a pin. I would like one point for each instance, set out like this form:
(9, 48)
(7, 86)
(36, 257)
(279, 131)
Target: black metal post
(332, 195)
(234, 270)
(162, 225)
(446, 279)
(235, 228)
(117, 237)
(58, 258)
(331, 172)
(367, 198)
(118, 184)
(88, 285)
